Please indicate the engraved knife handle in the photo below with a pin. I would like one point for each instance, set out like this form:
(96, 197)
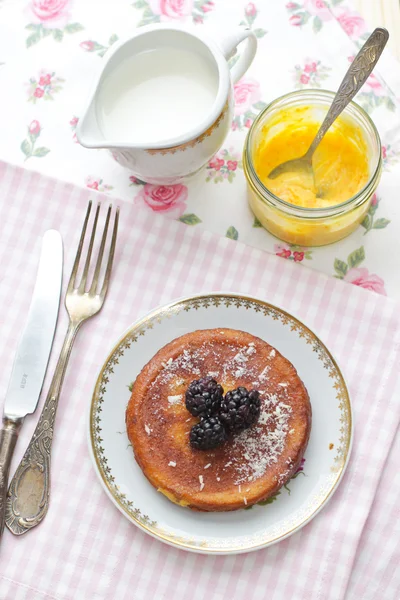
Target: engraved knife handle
(357, 74)
(8, 439)
(29, 492)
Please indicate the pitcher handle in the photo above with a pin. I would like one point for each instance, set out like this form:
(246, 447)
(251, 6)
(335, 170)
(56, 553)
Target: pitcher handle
(229, 46)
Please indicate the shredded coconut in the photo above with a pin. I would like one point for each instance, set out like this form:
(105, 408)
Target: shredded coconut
(240, 488)
(209, 465)
(245, 500)
(263, 375)
(228, 464)
(218, 478)
(175, 399)
(147, 429)
(272, 353)
(201, 482)
(283, 385)
(261, 448)
(172, 463)
(213, 373)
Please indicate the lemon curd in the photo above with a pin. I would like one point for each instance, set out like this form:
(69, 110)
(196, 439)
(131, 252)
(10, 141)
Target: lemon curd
(340, 162)
(302, 209)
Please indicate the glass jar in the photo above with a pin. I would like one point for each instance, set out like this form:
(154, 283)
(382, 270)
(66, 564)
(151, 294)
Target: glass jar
(305, 226)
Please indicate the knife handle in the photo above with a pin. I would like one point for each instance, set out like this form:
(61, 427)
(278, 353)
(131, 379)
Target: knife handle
(8, 439)
(29, 492)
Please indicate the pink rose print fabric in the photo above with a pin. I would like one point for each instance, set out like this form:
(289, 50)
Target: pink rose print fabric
(352, 23)
(318, 8)
(361, 277)
(247, 96)
(158, 11)
(172, 9)
(50, 13)
(45, 86)
(96, 183)
(49, 17)
(351, 272)
(29, 145)
(169, 199)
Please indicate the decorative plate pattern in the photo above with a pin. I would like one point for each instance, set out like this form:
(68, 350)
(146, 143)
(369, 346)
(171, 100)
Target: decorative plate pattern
(239, 531)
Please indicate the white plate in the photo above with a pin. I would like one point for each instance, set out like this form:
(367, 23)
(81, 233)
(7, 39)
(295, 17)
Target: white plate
(243, 530)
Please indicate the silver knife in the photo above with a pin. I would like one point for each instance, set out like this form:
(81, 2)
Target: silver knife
(32, 355)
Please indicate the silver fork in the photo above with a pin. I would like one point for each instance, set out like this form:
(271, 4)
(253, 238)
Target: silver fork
(29, 491)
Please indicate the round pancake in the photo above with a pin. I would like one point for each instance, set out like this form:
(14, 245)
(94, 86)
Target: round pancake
(250, 466)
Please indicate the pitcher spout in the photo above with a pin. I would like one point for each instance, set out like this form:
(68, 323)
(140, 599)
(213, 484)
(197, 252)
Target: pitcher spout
(88, 131)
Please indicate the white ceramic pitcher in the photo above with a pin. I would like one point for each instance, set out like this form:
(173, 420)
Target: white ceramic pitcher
(177, 158)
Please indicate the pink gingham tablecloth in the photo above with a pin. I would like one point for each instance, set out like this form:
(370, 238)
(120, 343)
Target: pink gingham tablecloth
(85, 549)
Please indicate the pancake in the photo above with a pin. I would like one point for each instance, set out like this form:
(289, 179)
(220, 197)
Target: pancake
(249, 467)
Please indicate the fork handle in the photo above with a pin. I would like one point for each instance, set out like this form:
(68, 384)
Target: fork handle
(357, 74)
(29, 492)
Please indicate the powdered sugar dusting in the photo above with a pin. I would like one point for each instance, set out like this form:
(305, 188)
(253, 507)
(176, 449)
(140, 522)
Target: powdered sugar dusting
(260, 448)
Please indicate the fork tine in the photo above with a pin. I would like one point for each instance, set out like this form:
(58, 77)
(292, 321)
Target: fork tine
(72, 278)
(93, 287)
(110, 256)
(82, 284)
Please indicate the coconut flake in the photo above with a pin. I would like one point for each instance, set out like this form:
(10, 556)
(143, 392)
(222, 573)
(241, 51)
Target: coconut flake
(259, 447)
(147, 429)
(175, 399)
(201, 482)
(172, 463)
(263, 375)
(209, 465)
(272, 353)
(245, 501)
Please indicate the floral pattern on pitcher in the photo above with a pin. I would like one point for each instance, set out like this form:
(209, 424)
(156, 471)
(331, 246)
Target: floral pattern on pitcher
(28, 145)
(158, 11)
(351, 272)
(96, 183)
(370, 222)
(250, 15)
(96, 47)
(44, 86)
(49, 18)
(292, 252)
(248, 102)
(310, 74)
(223, 166)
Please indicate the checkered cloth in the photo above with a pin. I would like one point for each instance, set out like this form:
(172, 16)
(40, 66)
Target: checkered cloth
(85, 549)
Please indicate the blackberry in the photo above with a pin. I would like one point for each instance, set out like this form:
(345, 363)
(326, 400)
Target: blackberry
(240, 409)
(203, 397)
(207, 434)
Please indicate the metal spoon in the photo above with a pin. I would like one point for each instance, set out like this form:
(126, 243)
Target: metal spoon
(359, 70)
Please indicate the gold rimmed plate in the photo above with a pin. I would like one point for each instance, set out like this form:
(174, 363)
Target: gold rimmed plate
(243, 530)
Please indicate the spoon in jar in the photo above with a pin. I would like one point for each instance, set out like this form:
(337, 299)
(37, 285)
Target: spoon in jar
(359, 70)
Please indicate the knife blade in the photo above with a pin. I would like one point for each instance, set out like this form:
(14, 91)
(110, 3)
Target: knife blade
(32, 355)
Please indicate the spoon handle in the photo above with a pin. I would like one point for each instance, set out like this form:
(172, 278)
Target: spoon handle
(356, 76)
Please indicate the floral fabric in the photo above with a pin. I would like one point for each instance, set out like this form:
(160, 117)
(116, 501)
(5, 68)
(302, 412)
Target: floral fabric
(50, 49)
